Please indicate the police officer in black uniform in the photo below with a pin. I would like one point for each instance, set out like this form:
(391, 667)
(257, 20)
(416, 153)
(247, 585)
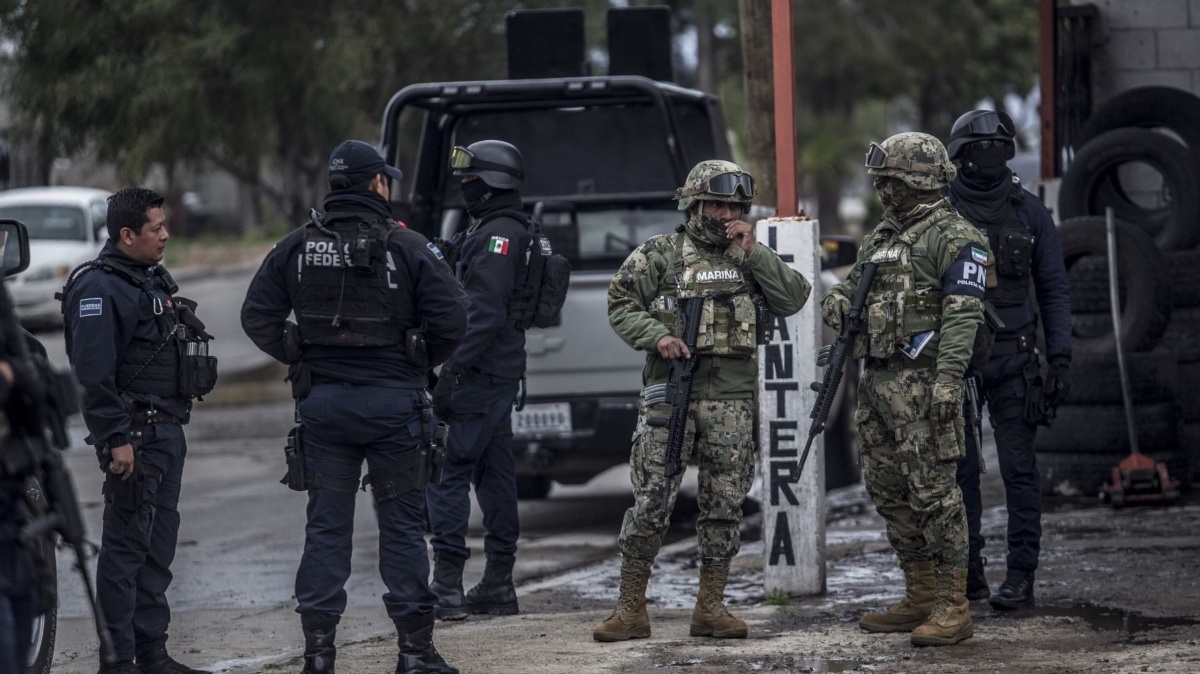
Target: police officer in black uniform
(140, 355)
(1024, 246)
(478, 385)
(376, 306)
(19, 600)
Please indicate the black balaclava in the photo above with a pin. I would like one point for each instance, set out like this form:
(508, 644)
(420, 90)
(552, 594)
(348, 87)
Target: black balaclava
(984, 167)
(476, 193)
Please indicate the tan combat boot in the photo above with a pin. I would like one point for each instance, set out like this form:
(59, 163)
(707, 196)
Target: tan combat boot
(951, 619)
(710, 618)
(911, 611)
(629, 620)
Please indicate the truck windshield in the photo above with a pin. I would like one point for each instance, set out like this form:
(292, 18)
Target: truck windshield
(54, 223)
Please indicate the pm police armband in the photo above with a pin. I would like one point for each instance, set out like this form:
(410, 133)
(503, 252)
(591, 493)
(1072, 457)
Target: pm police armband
(967, 275)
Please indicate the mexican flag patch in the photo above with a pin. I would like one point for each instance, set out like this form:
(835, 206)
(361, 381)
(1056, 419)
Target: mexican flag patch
(498, 244)
(979, 256)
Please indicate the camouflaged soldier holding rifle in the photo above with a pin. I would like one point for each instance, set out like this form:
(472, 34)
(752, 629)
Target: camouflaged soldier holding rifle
(923, 310)
(713, 255)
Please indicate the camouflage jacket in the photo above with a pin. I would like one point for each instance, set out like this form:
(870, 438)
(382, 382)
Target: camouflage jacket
(947, 258)
(649, 273)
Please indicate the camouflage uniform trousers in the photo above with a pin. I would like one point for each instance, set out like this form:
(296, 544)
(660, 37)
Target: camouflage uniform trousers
(909, 466)
(720, 435)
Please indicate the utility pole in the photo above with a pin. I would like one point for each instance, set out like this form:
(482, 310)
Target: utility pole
(754, 18)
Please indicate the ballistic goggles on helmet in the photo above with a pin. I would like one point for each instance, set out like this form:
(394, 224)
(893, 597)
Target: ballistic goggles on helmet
(724, 185)
(990, 125)
(877, 158)
(462, 159)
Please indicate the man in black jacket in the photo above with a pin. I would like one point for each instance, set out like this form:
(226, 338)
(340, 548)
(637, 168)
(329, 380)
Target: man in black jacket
(376, 306)
(478, 385)
(1024, 246)
(134, 348)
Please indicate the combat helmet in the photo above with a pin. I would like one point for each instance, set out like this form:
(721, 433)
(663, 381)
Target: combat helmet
(497, 163)
(918, 159)
(716, 180)
(978, 125)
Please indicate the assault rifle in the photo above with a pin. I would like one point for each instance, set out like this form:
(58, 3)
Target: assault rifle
(38, 419)
(838, 354)
(677, 391)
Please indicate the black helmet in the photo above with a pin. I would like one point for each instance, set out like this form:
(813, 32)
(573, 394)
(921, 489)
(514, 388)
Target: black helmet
(498, 164)
(978, 125)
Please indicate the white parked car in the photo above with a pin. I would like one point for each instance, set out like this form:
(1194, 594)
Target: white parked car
(66, 228)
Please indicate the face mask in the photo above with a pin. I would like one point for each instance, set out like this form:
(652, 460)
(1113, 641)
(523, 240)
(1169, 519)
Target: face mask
(984, 165)
(475, 194)
(901, 200)
(708, 229)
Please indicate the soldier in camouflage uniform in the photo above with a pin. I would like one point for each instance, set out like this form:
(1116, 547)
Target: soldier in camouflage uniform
(713, 252)
(930, 283)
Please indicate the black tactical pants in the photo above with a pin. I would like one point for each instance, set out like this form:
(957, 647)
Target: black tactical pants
(141, 526)
(18, 595)
(479, 453)
(1018, 465)
(382, 426)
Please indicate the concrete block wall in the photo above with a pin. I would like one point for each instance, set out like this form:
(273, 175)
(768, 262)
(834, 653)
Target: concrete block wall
(1140, 43)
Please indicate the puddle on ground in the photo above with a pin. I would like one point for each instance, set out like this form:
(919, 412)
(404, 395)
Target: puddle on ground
(1109, 619)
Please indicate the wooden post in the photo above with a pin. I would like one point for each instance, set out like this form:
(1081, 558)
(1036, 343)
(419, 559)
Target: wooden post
(793, 513)
(785, 108)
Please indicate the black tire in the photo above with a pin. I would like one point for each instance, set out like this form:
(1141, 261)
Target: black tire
(1182, 336)
(1088, 278)
(1095, 379)
(1183, 270)
(1083, 473)
(533, 487)
(1147, 305)
(1189, 442)
(1148, 108)
(1091, 184)
(1188, 397)
(1101, 428)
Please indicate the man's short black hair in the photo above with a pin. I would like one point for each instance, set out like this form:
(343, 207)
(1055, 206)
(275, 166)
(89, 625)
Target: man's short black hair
(127, 208)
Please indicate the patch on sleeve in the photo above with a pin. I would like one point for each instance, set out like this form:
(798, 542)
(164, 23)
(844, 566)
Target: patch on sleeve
(967, 275)
(437, 252)
(91, 306)
(498, 244)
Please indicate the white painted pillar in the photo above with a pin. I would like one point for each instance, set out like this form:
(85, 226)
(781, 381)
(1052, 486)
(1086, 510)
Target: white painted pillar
(793, 513)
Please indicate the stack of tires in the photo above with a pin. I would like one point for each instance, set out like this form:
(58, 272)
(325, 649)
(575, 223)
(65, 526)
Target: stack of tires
(1158, 268)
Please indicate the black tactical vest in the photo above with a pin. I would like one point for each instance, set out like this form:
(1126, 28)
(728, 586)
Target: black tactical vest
(1012, 250)
(346, 281)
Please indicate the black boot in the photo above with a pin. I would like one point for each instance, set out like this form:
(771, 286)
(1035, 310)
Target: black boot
(977, 584)
(152, 658)
(447, 585)
(417, 653)
(494, 594)
(320, 633)
(1015, 592)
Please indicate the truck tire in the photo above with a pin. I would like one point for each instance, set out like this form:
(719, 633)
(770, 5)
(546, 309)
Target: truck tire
(1148, 108)
(1189, 441)
(1183, 270)
(1101, 428)
(533, 487)
(1189, 393)
(1147, 305)
(1096, 380)
(1182, 336)
(1092, 183)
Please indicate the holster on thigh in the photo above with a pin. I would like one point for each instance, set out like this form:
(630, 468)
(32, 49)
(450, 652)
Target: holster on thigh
(397, 479)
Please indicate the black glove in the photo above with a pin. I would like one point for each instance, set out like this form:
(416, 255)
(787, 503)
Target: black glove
(442, 392)
(1058, 380)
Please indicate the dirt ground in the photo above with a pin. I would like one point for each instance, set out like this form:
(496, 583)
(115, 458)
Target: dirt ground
(1118, 591)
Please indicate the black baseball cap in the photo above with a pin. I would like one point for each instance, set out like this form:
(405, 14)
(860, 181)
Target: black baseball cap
(358, 162)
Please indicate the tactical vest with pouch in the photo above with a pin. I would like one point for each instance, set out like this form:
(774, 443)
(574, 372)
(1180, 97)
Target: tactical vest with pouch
(1011, 266)
(346, 281)
(896, 308)
(728, 318)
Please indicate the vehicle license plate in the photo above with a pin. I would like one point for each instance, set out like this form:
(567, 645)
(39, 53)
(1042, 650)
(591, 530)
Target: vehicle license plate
(542, 418)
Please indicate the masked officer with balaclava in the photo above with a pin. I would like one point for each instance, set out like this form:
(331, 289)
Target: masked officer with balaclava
(922, 313)
(478, 385)
(712, 255)
(375, 307)
(140, 355)
(1024, 244)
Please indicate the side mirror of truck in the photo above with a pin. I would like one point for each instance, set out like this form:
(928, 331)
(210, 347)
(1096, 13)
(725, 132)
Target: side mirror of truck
(838, 250)
(14, 247)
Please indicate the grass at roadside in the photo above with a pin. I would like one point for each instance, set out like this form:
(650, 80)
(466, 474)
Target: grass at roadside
(218, 251)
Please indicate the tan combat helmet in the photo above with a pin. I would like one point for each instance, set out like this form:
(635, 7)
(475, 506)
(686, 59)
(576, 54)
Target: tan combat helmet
(716, 180)
(919, 159)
